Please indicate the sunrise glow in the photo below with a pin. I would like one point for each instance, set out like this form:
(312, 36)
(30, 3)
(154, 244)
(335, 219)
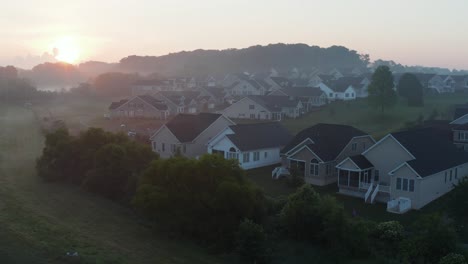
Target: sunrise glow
(66, 49)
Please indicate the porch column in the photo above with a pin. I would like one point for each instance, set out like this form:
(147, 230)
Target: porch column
(349, 177)
(359, 184)
(338, 176)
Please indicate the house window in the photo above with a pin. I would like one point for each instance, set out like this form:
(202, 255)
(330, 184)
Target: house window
(173, 148)
(155, 145)
(451, 175)
(251, 107)
(252, 116)
(352, 94)
(256, 156)
(354, 147)
(363, 145)
(376, 175)
(265, 155)
(347, 95)
(462, 136)
(411, 185)
(456, 173)
(331, 94)
(246, 157)
(163, 147)
(405, 185)
(314, 167)
(398, 183)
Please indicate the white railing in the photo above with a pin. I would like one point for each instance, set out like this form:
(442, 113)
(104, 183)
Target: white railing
(278, 171)
(365, 185)
(369, 191)
(374, 194)
(273, 173)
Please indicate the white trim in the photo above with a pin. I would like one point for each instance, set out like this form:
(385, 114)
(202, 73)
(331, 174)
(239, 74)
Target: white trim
(391, 173)
(301, 143)
(348, 158)
(164, 126)
(215, 139)
(384, 138)
(138, 96)
(305, 146)
(454, 122)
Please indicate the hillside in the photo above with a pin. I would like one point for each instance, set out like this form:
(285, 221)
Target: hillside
(282, 57)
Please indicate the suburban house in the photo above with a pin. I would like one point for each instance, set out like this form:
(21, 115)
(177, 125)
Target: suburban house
(314, 152)
(247, 87)
(216, 94)
(142, 87)
(338, 90)
(141, 106)
(311, 97)
(188, 134)
(460, 115)
(180, 101)
(264, 108)
(277, 83)
(253, 145)
(461, 82)
(407, 170)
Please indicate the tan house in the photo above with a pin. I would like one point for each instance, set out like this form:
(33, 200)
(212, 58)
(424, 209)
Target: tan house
(315, 151)
(264, 108)
(188, 134)
(407, 170)
(142, 106)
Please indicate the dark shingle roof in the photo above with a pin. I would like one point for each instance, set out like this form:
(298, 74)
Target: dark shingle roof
(303, 91)
(433, 153)
(115, 105)
(460, 110)
(282, 81)
(362, 162)
(329, 139)
(259, 136)
(341, 84)
(180, 97)
(274, 103)
(158, 104)
(187, 127)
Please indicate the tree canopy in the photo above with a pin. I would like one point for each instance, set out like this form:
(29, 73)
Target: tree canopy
(411, 88)
(381, 93)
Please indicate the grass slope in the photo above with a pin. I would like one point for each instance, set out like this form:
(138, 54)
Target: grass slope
(360, 115)
(40, 222)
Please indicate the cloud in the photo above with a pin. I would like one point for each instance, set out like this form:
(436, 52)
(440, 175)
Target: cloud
(28, 61)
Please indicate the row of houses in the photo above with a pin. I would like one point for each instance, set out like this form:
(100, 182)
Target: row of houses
(406, 169)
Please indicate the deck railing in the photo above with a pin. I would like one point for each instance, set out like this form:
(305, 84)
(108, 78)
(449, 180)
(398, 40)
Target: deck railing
(374, 194)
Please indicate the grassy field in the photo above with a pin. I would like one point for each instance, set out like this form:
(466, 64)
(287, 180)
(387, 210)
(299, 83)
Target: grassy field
(360, 115)
(40, 222)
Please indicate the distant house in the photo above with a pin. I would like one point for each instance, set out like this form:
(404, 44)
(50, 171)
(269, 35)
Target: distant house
(188, 134)
(264, 108)
(247, 87)
(180, 101)
(277, 83)
(216, 94)
(339, 90)
(142, 106)
(407, 170)
(461, 83)
(253, 145)
(311, 97)
(314, 152)
(142, 87)
(434, 83)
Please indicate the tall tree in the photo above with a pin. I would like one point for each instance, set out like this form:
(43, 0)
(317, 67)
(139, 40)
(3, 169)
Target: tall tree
(411, 88)
(381, 93)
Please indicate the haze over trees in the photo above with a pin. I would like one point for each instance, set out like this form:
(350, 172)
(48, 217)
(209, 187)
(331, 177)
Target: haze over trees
(381, 93)
(411, 88)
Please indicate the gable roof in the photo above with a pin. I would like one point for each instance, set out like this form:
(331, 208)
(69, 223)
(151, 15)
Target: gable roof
(341, 84)
(148, 82)
(431, 156)
(362, 162)
(158, 104)
(180, 97)
(273, 103)
(329, 139)
(302, 91)
(187, 127)
(282, 81)
(259, 136)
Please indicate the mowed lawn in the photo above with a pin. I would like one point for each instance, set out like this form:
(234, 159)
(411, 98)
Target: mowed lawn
(360, 115)
(40, 222)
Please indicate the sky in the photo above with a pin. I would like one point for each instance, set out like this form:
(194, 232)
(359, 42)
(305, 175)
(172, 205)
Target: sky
(411, 32)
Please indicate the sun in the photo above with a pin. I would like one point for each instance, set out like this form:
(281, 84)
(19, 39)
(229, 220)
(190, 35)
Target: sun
(66, 49)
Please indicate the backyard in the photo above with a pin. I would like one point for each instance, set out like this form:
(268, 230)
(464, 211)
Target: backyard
(360, 115)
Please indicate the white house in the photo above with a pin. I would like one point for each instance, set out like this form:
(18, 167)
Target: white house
(264, 108)
(338, 91)
(253, 145)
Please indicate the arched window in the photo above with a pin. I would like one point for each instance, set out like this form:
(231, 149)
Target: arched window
(232, 150)
(314, 167)
(232, 154)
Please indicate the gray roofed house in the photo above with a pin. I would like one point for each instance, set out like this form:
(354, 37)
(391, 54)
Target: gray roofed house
(141, 106)
(311, 97)
(409, 169)
(180, 101)
(188, 134)
(254, 145)
(315, 151)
